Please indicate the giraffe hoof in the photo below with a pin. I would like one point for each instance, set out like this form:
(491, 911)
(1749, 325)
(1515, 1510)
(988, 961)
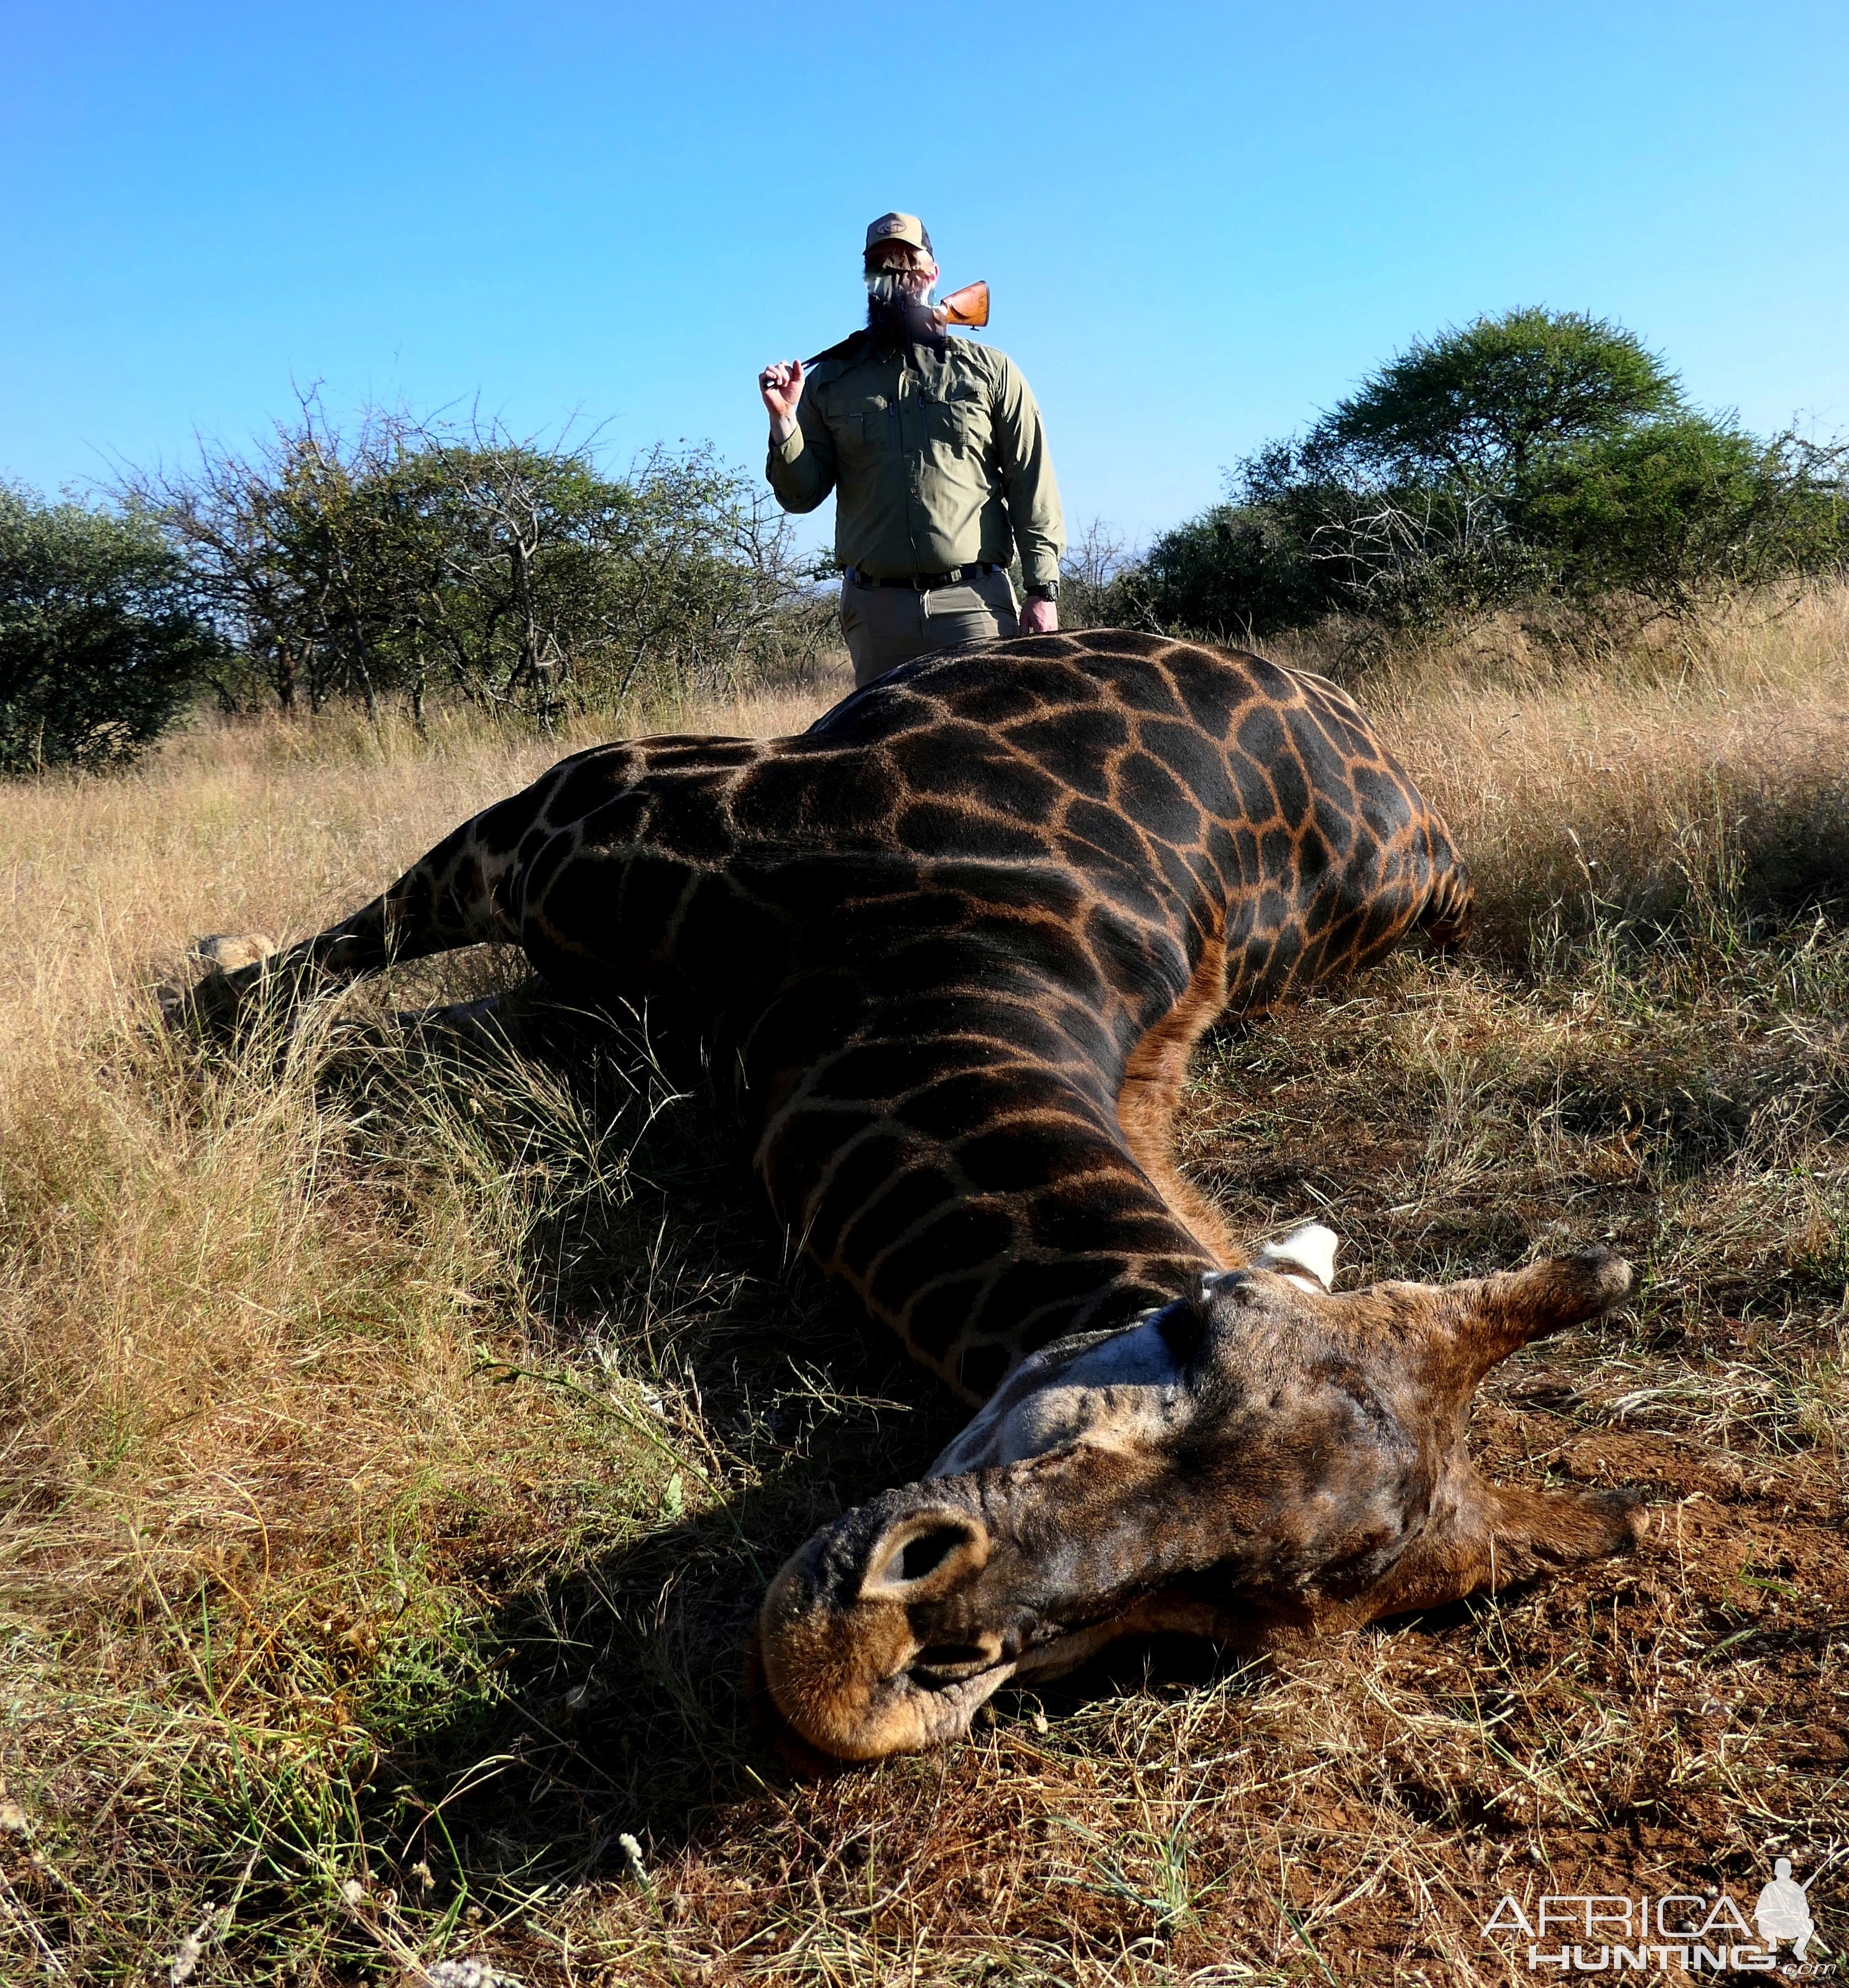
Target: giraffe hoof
(225, 952)
(211, 1002)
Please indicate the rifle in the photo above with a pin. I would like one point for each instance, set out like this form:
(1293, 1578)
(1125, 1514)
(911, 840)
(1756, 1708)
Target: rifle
(968, 305)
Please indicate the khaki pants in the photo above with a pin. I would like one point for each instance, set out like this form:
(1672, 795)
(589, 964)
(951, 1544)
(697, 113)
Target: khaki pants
(886, 625)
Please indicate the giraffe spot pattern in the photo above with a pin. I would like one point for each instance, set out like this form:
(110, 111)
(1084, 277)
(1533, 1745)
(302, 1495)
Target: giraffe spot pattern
(951, 945)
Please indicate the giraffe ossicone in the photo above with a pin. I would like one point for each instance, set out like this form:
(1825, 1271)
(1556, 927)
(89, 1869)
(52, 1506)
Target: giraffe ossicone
(952, 947)
(1306, 1254)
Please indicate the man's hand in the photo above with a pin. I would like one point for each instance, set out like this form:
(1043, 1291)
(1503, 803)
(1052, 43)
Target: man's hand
(781, 387)
(1039, 617)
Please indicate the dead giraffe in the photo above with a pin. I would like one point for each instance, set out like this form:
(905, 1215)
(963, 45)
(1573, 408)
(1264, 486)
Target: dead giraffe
(954, 945)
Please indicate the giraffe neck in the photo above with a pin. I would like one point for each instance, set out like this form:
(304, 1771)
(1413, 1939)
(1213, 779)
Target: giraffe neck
(983, 1198)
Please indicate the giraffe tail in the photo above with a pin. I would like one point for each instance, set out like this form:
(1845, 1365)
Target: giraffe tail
(1445, 921)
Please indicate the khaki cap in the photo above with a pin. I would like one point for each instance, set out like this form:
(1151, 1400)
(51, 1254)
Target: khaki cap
(906, 228)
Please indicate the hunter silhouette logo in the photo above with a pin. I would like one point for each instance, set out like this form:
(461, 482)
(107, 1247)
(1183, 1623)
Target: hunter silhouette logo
(1693, 1933)
(1783, 1911)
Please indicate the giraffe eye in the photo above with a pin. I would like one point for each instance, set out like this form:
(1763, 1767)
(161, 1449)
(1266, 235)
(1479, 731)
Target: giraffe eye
(1183, 1326)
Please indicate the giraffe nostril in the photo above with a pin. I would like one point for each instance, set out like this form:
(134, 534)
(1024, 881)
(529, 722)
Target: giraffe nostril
(928, 1551)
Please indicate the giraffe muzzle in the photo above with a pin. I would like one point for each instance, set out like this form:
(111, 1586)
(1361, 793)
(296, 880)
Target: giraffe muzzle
(862, 1648)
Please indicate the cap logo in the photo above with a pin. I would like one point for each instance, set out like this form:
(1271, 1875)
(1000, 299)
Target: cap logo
(896, 227)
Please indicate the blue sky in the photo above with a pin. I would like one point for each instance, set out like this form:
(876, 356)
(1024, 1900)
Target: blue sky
(1202, 223)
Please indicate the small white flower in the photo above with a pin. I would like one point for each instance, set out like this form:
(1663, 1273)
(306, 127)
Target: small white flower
(353, 1892)
(191, 1948)
(465, 1974)
(632, 1852)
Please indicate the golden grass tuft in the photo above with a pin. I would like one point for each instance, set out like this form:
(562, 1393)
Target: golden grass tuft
(1712, 759)
(396, 1436)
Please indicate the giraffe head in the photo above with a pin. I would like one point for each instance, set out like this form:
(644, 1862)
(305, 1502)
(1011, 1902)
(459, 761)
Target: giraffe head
(1263, 1460)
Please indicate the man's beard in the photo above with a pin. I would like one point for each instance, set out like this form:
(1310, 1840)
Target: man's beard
(897, 318)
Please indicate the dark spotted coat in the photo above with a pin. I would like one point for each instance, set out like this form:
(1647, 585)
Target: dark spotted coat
(951, 945)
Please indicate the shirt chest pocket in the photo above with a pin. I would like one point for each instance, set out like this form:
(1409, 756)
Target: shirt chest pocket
(957, 422)
(872, 426)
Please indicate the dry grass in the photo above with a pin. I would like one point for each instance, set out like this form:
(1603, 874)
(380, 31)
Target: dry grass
(396, 1439)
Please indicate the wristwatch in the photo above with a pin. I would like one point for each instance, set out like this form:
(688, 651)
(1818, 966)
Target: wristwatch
(1049, 591)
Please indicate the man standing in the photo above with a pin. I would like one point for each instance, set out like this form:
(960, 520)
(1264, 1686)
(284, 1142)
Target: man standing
(934, 448)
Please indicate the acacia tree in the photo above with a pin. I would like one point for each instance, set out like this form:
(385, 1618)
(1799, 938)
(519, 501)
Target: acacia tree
(1536, 454)
(705, 582)
(222, 521)
(1481, 406)
(304, 550)
(1094, 565)
(413, 556)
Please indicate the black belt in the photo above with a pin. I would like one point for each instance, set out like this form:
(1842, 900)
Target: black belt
(924, 582)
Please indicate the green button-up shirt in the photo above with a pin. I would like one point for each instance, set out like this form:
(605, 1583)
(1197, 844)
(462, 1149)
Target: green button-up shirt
(937, 459)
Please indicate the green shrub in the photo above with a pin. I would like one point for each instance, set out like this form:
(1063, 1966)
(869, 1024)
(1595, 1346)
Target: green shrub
(1540, 454)
(1292, 547)
(1237, 572)
(1675, 512)
(100, 646)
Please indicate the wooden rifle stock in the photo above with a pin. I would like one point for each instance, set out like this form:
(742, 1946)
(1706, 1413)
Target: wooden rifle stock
(968, 305)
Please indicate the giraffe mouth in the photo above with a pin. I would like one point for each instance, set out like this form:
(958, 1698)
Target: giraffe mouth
(944, 1666)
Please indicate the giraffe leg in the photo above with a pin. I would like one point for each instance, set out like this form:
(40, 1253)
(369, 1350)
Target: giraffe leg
(479, 1024)
(455, 896)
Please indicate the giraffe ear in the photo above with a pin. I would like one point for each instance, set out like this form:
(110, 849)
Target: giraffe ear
(1184, 1323)
(1507, 1310)
(1306, 1253)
